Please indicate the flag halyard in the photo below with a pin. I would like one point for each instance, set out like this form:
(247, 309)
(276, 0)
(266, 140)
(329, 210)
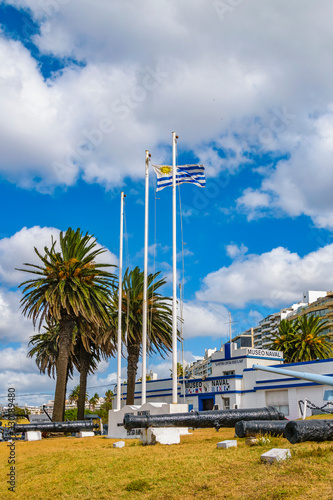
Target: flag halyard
(192, 174)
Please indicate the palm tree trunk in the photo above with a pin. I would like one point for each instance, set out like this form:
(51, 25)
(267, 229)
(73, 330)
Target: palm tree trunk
(84, 368)
(133, 353)
(65, 331)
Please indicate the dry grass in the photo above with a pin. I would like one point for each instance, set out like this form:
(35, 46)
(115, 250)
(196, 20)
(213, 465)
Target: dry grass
(90, 468)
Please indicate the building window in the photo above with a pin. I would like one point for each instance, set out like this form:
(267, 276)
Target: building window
(279, 400)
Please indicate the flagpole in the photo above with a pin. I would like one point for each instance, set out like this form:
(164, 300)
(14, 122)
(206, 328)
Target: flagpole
(174, 273)
(145, 284)
(120, 299)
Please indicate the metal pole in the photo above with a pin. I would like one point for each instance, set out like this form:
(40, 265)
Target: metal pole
(312, 377)
(120, 299)
(174, 273)
(182, 338)
(145, 284)
(230, 326)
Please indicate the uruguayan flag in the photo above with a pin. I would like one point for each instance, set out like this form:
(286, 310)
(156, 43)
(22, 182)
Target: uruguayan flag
(193, 174)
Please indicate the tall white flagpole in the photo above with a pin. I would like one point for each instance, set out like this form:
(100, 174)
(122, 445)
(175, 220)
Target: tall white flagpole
(145, 284)
(120, 300)
(174, 273)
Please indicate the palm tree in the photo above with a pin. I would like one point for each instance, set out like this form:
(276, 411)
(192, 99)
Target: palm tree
(284, 339)
(94, 400)
(109, 396)
(70, 286)
(74, 395)
(303, 339)
(159, 321)
(311, 343)
(91, 348)
(180, 371)
(86, 353)
(46, 349)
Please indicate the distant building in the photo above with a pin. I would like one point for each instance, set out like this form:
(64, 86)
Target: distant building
(321, 308)
(269, 326)
(202, 367)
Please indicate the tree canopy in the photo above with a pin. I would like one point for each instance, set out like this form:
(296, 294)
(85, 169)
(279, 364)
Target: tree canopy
(303, 339)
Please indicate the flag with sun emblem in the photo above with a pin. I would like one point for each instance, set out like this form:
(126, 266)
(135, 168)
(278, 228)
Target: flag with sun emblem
(193, 174)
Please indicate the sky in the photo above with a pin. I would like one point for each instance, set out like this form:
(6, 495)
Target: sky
(86, 87)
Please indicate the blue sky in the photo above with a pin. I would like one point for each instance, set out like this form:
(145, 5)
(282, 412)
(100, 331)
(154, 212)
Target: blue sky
(87, 87)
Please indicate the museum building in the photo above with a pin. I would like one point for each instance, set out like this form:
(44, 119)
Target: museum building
(233, 383)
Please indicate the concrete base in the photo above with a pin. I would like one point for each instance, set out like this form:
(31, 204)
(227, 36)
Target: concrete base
(84, 434)
(275, 455)
(162, 435)
(116, 417)
(228, 443)
(33, 436)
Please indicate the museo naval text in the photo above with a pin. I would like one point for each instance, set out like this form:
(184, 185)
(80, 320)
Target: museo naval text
(11, 481)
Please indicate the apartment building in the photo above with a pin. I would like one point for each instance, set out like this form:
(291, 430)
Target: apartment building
(322, 308)
(269, 326)
(202, 367)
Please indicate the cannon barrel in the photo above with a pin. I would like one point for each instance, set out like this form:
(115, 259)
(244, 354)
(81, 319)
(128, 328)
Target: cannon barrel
(70, 426)
(201, 419)
(313, 377)
(252, 427)
(309, 430)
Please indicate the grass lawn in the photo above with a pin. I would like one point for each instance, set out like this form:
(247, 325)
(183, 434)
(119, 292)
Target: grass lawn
(90, 468)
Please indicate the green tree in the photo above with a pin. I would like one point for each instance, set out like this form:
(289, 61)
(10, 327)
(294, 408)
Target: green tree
(46, 349)
(311, 343)
(93, 401)
(70, 286)
(284, 339)
(109, 396)
(74, 395)
(159, 321)
(180, 371)
(303, 339)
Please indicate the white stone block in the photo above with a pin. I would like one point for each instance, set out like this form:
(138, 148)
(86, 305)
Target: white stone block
(162, 435)
(119, 444)
(228, 443)
(116, 429)
(275, 455)
(84, 434)
(33, 436)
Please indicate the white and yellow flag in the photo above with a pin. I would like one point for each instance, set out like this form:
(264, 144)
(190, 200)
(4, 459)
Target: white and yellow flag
(193, 174)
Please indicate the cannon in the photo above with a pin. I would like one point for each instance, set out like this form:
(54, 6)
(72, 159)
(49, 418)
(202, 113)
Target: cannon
(298, 431)
(252, 427)
(70, 426)
(201, 419)
(313, 377)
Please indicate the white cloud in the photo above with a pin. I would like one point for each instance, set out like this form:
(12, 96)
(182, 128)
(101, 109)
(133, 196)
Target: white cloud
(16, 360)
(13, 326)
(301, 184)
(19, 248)
(249, 90)
(236, 251)
(273, 279)
(205, 320)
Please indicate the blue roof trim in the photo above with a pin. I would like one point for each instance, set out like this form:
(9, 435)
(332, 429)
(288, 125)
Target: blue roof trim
(303, 363)
(287, 379)
(316, 361)
(306, 384)
(247, 357)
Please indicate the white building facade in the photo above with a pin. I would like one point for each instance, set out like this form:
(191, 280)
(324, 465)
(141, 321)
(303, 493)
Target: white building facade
(233, 383)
